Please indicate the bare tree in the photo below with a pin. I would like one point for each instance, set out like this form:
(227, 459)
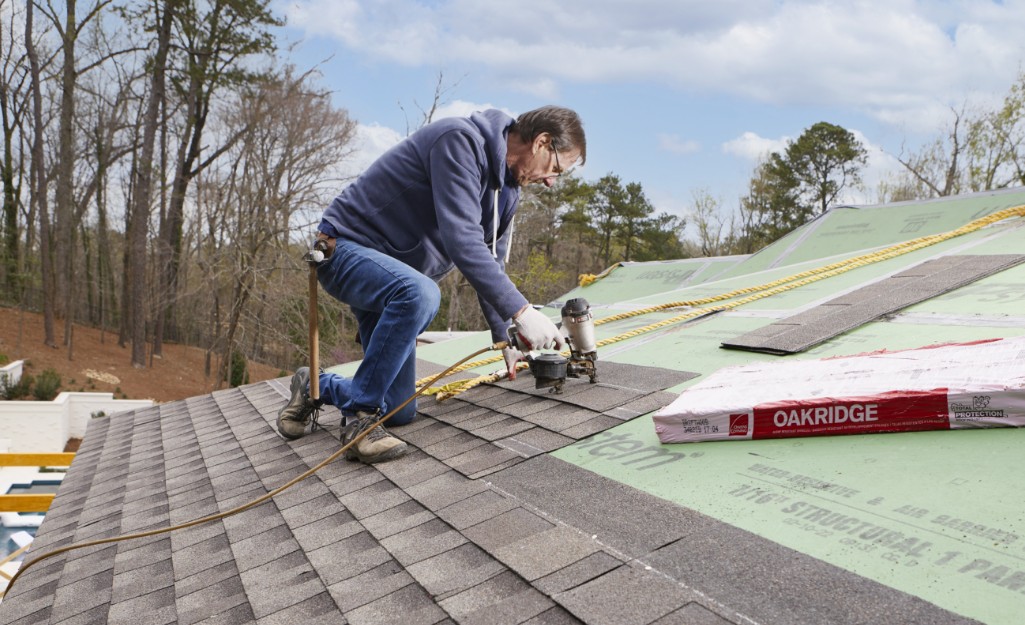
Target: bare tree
(14, 75)
(441, 91)
(710, 223)
(38, 194)
(138, 228)
(214, 46)
(935, 169)
(294, 140)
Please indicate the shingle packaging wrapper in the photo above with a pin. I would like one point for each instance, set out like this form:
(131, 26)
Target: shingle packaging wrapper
(952, 386)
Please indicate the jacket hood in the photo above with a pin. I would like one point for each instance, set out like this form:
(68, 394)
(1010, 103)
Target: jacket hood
(494, 127)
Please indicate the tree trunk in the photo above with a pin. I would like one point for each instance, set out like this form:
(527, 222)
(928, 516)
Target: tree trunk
(171, 227)
(239, 299)
(142, 191)
(65, 177)
(38, 178)
(10, 204)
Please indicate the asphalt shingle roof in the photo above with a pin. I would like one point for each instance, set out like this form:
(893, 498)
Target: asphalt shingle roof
(477, 524)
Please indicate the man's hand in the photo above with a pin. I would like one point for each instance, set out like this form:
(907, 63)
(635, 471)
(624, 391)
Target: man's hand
(537, 330)
(512, 356)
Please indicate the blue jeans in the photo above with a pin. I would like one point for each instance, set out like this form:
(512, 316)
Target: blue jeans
(393, 304)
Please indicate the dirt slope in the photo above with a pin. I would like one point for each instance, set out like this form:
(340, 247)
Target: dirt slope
(103, 366)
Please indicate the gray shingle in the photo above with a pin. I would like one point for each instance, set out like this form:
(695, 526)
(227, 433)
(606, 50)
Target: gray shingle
(501, 429)
(560, 417)
(410, 605)
(263, 548)
(453, 446)
(322, 532)
(554, 616)
(503, 598)
(397, 519)
(196, 534)
(476, 509)
(429, 435)
(498, 531)
(370, 585)
(83, 595)
(293, 572)
(143, 580)
(317, 610)
(580, 572)
(545, 552)
(583, 499)
(346, 558)
(253, 521)
(97, 614)
(422, 542)
(373, 499)
(599, 423)
(464, 413)
(536, 440)
(455, 570)
(927, 280)
(692, 614)
(481, 458)
(187, 585)
(84, 563)
(240, 614)
(642, 405)
(411, 469)
(155, 608)
(444, 490)
(312, 510)
(599, 397)
(625, 596)
(202, 555)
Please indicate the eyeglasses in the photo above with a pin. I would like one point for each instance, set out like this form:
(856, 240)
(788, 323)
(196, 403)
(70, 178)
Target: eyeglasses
(558, 166)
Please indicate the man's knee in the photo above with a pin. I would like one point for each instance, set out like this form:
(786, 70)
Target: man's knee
(432, 297)
(427, 297)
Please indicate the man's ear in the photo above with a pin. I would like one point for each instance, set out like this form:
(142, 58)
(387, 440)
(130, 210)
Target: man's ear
(540, 141)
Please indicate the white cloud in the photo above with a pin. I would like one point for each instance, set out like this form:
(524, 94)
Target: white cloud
(676, 145)
(880, 165)
(901, 61)
(372, 140)
(750, 146)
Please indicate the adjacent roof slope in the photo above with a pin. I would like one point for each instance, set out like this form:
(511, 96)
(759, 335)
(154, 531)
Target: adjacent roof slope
(518, 506)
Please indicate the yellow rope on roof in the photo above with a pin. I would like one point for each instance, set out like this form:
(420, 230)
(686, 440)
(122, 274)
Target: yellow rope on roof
(586, 279)
(751, 294)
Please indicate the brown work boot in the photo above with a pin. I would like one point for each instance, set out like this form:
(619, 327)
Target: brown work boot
(295, 415)
(377, 446)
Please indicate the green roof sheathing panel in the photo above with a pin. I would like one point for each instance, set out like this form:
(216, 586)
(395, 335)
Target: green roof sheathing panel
(630, 281)
(847, 230)
(934, 514)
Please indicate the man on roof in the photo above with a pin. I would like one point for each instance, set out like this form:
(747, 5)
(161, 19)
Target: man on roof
(444, 197)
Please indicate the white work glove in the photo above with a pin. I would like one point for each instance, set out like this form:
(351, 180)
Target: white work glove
(538, 331)
(512, 356)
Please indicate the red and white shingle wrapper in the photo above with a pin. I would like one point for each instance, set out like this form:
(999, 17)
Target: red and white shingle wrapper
(953, 386)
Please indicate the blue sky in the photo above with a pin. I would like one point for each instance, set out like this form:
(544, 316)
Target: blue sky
(678, 95)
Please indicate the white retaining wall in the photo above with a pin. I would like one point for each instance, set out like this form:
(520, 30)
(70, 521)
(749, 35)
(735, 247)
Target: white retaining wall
(12, 372)
(45, 427)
